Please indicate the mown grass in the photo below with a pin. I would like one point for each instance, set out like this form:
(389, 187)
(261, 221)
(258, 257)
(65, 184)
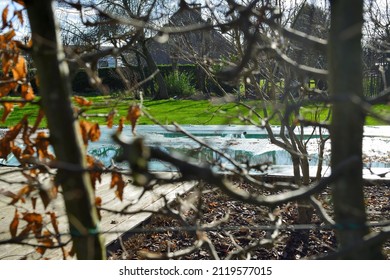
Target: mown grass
(202, 112)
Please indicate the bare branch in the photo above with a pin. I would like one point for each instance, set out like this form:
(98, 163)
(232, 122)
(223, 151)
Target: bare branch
(190, 171)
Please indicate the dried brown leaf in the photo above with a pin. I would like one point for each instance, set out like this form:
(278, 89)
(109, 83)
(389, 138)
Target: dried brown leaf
(7, 142)
(84, 128)
(94, 133)
(6, 88)
(5, 148)
(21, 194)
(32, 217)
(133, 114)
(27, 92)
(13, 227)
(89, 131)
(20, 2)
(35, 222)
(19, 71)
(110, 118)
(19, 14)
(54, 222)
(82, 101)
(117, 180)
(13, 132)
(8, 108)
(42, 144)
(96, 173)
(121, 123)
(24, 233)
(4, 16)
(98, 203)
(46, 240)
(7, 37)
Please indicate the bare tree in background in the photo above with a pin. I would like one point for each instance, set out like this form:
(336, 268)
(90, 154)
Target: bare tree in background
(261, 39)
(107, 22)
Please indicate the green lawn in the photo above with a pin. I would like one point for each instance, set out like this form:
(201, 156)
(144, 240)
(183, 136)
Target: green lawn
(186, 112)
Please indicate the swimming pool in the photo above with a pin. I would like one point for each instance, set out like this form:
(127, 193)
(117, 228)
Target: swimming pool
(246, 144)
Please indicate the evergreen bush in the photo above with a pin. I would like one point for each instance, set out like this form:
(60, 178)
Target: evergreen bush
(180, 84)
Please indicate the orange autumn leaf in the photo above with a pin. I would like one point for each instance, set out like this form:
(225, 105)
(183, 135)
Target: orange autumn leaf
(13, 227)
(21, 194)
(89, 131)
(6, 88)
(110, 118)
(34, 222)
(8, 194)
(115, 177)
(7, 61)
(27, 154)
(26, 136)
(32, 218)
(4, 17)
(19, 14)
(84, 127)
(15, 130)
(121, 123)
(19, 71)
(98, 203)
(54, 222)
(5, 148)
(40, 250)
(119, 192)
(133, 113)
(46, 240)
(24, 233)
(27, 92)
(7, 141)
(20, 2)
(117, 180)
(82, 101)
(97, 169)
(7, 37)
(17, 151)
(42, 144)
(8, 108)
(94, 133)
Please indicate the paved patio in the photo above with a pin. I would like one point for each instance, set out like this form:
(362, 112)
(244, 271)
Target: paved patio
(112, 225)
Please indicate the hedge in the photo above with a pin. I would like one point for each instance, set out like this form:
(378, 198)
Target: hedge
(112, 80)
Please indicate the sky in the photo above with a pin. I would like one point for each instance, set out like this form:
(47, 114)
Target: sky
(20, 29)
(23, 30)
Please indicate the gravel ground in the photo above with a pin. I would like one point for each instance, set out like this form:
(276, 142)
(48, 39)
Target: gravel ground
(240, 230)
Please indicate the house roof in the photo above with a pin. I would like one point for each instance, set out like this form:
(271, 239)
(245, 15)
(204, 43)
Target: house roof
(191, 46)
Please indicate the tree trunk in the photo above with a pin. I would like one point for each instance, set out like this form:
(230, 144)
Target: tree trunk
(296, 168)
(201, 77)
(55, 91)
(305, 210)
(162, 92)
(347, 124)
